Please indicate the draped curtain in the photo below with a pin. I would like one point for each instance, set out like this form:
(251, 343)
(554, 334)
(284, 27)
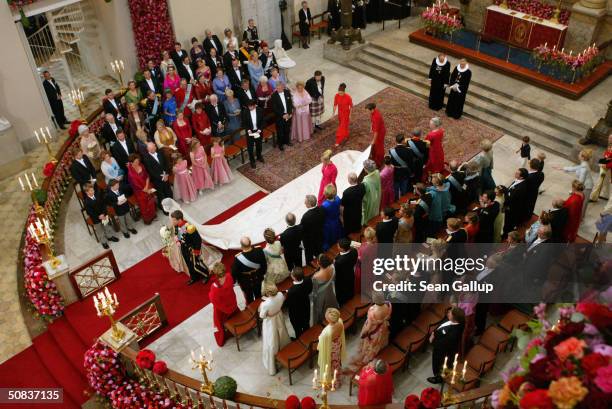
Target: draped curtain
(152, 29)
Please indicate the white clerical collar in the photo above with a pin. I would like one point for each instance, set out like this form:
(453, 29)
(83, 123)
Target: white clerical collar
(386, 220)
(447, 323)
(441, 63)
(298, 282)
(467, 67)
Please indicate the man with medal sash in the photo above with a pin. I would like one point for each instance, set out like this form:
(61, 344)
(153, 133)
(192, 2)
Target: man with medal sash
(421, 154)
(152, 109)
(249, 269)
(403, 162)
(184, 97)
(457, 188)
(191, 247)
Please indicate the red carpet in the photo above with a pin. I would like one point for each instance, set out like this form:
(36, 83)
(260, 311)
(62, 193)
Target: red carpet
(56, 357)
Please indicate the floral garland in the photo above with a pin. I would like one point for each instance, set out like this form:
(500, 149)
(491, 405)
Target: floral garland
(152, 29)
(438, 19)
(565, 366)
(537, 8)
(580, 65)
(430, 398)
(19, 5)
(108, 378)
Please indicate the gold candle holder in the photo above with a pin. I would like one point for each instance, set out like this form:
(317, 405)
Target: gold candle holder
(106, 305)
(504, 4)
(77, 97)
(324, 384)
(31, 186)
(453, 377)
(42, 233)
(43, 136)
(118, 68)
(204, 365)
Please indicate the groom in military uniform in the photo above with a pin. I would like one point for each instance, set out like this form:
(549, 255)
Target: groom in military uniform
(249, 269)
(191, 247)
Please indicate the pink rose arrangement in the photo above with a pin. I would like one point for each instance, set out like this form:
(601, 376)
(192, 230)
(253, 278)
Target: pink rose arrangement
(578, 65)
(152, 29)
(562, 366)
(537, 8)
(440, 19)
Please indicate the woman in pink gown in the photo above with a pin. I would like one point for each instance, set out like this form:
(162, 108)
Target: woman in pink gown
(221, 172)
(200, 171)
(329, 172)
(435, 163)
(172, 79)
(184, 188)
(301, 128)
(183, 132)
(386, 183)
(343, 104)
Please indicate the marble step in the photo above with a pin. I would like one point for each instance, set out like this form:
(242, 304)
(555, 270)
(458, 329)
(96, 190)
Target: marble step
(493, 120)
(564, 125)
(394, 73)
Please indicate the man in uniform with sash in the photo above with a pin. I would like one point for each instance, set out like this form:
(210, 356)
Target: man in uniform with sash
(250, 35)
(402, 161)
(249, 269)
(184, 97)
(421, 154)
(152, 109)
(457, 188)
(421, 213)
(191, 247)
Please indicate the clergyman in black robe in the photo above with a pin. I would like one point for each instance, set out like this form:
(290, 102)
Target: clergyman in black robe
(359, 14)
(439, 75)
(459, 84)
(334, 9)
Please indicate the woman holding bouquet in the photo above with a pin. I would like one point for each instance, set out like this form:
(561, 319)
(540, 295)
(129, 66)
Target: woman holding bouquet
(143, 188)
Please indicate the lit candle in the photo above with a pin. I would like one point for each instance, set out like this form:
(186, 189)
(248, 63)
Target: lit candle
(122, 66)
(21, 183)
(325, 374)
(563, 49)
(28, 181)
(108, 295)
(46, 223)
(314, 379)
(115, 298)
(193, 356)
(444, 367)
(464, 370)
(455, 362)
(452, 382)
(34, 179)
(37, 136)
(210, 355)
(48, 133)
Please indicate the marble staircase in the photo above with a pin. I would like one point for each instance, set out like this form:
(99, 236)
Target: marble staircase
(497, 108)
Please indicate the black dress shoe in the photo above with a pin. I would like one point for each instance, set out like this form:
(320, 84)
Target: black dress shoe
(253, 165)
(306, 46)
(435, 379)
(126, 235)
(133, 231)
(63, 127)
(105, 245)
(190, 282)
(113, 238)
(261, 160)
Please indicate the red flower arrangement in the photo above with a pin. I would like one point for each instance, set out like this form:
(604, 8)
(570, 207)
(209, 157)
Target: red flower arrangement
(537, 8)
(537, 399)
(308, 403)
(430, 399)
(160, 367)
(438, 20)
(152, 29)
(292, 402)
(145, 359)
(48, 169)
(73, 131)
(412, 402)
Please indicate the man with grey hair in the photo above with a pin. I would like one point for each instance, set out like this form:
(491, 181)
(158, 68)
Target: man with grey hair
(371, 199)
(351, 204)
(375, 384)
(212, 41)
(421, 154)
(312, 228)
(157, 168)
(558, 220)
(249, 269)
(291, 239)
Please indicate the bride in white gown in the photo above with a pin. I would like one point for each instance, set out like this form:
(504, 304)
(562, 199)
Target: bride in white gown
(210, 255)
(274, 333)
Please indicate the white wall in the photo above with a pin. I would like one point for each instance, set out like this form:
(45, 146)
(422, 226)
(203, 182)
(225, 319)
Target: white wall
(316, 7)
(266, 15)
(191, 18)
(22, 99)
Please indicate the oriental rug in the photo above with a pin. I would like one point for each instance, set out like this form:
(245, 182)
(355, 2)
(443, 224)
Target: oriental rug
(401, 111)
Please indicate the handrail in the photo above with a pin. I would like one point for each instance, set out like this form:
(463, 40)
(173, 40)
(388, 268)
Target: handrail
(254, 401)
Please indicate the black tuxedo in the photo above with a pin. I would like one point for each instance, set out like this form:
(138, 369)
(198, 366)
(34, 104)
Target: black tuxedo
(402, 171)
(264, 61)
(145, 88)
(236, 80)
(54, 93)
(228, 58)
(214, 63)
(83, 174)
(119, 153)
(486, 221)
(313, 90)
(291, 239)
(534, 180)
(216, 118)
(344, 265)
(385, 231)
(178, 59)
(517, 206)
(253, 143)
(352, 203)
(183, 72)
(312, 232)
(117, 111)
(244, 98)
(108, 134)
(94, 207)
(421, 219)
(283, 127)
(455, 248)
(112, 199)
(156, 168)
(247, 277)
(305, 21)
(421, 155)
(537, 263)
(156, 74)
(297, 303)
(211, 42)
(557, 224)
(458, 194)
(445, 344)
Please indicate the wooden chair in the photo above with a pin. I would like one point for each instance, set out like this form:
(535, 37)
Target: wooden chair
(133, 207)
(295, 33)
(269, 133)
(439, 309)
(318, 28)
(240, 323)
(292, 356)
(285, 285)
(393, 356)
(89, 224)
(513, 319)
(359, 305)
(310, 339)
(426, 321)
(494, 339)
(410, 340)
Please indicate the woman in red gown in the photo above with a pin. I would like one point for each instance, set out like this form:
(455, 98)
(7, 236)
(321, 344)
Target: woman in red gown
(203, 89)
(329, 171)
(142, 187)
(375, 384)
(573, 204)
(183, 132)
(201, 125)
(435, 163)
(223, 299)
(378, 135)
(343, 104)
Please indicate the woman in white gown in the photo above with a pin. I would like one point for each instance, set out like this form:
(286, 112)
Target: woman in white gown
(274, 333)
(277, 270)
(209, 255)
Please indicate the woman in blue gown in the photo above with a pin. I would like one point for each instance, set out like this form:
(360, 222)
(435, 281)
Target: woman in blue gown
(169, 107)
(332, 228)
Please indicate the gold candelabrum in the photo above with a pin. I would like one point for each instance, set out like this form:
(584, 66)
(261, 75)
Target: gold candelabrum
(504, 4)
(106, 305)
(77, 97)
(43, 234)
(204, 365)
(118, 67)
(556, 13)
(453, 377)
(324, 384)
(32, 186)
(43, 136)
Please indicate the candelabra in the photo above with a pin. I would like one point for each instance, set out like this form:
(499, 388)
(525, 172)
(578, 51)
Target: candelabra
(118, 67)
(324, 384)
(42, 233)
(77, 97)
(204, 365)
(106, 304)
(32, 186)
(43, 136)
(452, 376)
